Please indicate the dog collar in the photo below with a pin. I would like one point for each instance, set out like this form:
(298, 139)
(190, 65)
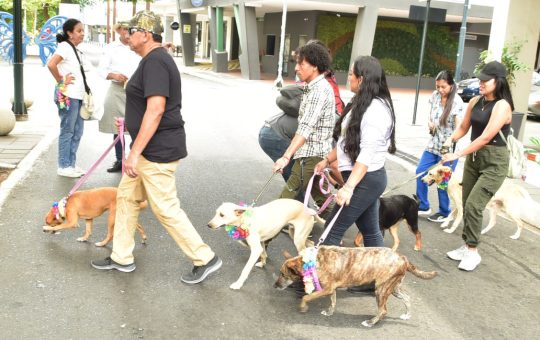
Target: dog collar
(59, 208)
(309, 270)
(240, 232)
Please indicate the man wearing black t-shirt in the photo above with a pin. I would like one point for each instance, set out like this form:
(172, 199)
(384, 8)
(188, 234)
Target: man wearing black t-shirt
(154, 121)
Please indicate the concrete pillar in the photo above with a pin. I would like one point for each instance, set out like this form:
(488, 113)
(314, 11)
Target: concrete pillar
(219, 59)
(246, 24)
(517, 21)
(187, 38)
(364, 33)
(168, 36)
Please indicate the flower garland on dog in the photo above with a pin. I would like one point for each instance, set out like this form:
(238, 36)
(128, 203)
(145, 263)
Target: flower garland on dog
(309, 272)
(446, 178)
(241, 232)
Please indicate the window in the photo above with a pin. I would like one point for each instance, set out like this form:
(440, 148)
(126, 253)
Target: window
(270, 44)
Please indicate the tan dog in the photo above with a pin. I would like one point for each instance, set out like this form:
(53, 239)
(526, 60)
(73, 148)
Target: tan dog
(510, 199)
(87, 204)
(339, 267)
(263, 224)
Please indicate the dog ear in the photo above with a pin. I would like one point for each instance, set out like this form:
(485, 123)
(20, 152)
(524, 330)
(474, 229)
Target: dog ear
(239, 212)
(286, 255)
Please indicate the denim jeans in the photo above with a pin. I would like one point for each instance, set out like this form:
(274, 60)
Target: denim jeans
(275, 146)
(363, 210)
(427, 160)
(71, 130)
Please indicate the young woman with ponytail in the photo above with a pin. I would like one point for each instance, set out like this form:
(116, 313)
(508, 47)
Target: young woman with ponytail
(444, 117)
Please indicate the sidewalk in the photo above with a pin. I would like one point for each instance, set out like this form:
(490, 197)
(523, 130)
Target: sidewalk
(25, 143)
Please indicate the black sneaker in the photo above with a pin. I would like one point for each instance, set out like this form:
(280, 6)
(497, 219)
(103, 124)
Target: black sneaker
(116, 167)
(199, 273)
(438, 218)
(108, 264)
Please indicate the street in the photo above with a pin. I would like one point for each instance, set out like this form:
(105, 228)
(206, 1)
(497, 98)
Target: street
(50, 291)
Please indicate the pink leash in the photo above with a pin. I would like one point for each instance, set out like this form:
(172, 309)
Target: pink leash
(330, 198)
(94, 166)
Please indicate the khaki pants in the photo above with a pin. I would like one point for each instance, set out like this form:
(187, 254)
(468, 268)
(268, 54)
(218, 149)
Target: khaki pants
(483, 175)
(155, 182)
(299, 179)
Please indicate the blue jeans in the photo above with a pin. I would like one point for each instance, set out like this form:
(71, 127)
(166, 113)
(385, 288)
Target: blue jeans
(71, 130)
(427, 160)
(275, 146)
(363, 210)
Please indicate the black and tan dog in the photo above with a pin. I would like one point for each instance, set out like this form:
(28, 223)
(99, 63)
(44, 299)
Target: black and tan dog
(87, 204)
(393, 210)
(339, 267)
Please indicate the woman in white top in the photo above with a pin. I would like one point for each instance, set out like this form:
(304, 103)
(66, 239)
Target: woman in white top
(66, 70)
(365, 133)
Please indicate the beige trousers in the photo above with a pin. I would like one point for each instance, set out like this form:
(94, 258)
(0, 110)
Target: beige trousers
(155, 182)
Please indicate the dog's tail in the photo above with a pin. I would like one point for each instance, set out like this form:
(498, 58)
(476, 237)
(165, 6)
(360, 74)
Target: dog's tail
(418, 273)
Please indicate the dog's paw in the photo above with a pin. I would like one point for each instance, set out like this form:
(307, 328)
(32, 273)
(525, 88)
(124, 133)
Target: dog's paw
(367, 323)
(237, 285)
(444, 225)
(328, 312)
(100, 244)
(405, 316)
(47, 228)
(82, 239)
(260, 264)
(303, 309)
(449, 231)
(515, 236)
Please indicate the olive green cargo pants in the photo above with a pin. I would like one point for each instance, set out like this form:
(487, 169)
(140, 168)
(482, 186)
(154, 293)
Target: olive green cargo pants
(484, 173)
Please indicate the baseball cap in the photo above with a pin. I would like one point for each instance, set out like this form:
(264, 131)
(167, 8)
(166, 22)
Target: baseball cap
(121, 24)
(148, 21)
(491, 70)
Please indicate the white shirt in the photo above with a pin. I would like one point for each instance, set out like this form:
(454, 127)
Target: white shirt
(375, 131)
(118, 58)
(70, 64)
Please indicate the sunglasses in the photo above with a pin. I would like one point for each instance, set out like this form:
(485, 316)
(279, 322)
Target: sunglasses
(133, 30)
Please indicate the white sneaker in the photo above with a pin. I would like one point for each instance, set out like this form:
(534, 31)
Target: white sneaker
(79, 170)
(470, 260)
(458, 254)
(424, 212)
(68, 172)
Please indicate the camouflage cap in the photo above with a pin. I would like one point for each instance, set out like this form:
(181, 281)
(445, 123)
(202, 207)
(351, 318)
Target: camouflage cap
(121, 24)
(148, 21)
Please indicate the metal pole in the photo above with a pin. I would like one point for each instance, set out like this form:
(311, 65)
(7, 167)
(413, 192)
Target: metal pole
(461, 45)
(426, 19)
(19, 109)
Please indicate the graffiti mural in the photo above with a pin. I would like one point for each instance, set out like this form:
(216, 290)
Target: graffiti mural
(45, 39)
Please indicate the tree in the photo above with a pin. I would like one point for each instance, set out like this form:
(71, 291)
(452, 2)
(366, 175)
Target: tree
(509, 58)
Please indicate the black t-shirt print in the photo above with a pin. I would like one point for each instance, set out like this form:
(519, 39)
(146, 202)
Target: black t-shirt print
(157, 75)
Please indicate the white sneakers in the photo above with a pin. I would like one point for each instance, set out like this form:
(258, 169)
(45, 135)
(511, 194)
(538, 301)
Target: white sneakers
(469, 259)
(424, 212)
(70, 172)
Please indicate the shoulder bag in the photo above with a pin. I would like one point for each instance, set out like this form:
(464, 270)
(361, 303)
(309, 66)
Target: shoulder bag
(87, 108)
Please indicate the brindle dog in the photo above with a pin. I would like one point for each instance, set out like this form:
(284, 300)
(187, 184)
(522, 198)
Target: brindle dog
(339, 267)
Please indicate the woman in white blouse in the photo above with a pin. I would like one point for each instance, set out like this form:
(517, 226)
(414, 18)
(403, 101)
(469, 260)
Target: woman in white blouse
(66, 70)
(365, 133)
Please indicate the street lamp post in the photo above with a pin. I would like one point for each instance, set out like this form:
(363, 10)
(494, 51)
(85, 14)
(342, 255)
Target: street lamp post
(19, 109)
(419, 77)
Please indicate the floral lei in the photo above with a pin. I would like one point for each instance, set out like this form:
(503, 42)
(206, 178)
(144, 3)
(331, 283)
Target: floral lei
(239, 232)
(446, 178)
(60, 92)
(309, 272)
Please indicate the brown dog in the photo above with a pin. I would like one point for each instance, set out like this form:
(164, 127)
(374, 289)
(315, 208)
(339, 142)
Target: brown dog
(87, 204)
(346, 267)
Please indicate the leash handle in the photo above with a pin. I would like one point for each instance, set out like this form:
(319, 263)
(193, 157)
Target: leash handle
(324, 191)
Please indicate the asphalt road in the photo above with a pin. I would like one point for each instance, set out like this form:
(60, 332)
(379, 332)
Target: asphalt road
(49, 290)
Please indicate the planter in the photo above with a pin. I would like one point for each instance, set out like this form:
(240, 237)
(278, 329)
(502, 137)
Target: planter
(533, 157)
(7, 121)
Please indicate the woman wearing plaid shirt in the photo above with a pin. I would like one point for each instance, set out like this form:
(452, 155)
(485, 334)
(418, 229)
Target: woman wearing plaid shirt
(316, 119)
(444, 118)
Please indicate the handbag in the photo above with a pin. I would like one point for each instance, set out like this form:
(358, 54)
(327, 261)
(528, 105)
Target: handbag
(516, 165)
(87, 108)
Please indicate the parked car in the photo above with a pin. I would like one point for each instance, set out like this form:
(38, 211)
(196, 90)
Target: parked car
(534, 101)
(468, 88)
